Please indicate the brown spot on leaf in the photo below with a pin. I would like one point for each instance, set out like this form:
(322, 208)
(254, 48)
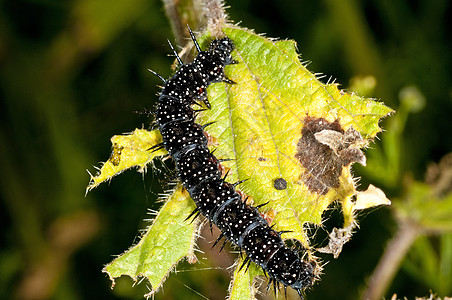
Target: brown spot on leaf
(115, 157)
(280, 184)
(324, 148)
(211, 140)
(268, 216)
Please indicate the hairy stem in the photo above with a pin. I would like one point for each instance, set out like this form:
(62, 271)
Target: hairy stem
(181, 13)
(196, 13)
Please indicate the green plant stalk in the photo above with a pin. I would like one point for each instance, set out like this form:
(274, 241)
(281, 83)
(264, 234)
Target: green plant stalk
(445, 264)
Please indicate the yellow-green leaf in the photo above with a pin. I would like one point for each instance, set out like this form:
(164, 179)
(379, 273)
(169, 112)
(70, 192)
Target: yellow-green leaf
(242, 285)
(130, 150)
(259, 122)
(291, 136)
(169, 239)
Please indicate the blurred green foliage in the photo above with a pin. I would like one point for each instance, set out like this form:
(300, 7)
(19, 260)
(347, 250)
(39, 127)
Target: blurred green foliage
(73, 74)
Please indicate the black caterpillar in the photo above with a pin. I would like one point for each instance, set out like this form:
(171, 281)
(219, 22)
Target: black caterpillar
(198, 169)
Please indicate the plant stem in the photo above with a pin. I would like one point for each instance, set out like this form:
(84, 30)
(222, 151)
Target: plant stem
(181, 13)
(389, 263)
(196, 13)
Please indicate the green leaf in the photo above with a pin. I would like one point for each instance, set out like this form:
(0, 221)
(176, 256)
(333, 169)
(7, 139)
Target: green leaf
(263, 123)
(169, 239)
(242, 285)
(130, 150)
(259, 122)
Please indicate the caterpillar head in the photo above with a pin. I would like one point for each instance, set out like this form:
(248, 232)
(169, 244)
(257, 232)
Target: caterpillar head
(222, 49)
(213, 61)
(289, 269)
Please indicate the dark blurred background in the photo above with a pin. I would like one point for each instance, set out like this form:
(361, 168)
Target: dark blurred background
(74, 73)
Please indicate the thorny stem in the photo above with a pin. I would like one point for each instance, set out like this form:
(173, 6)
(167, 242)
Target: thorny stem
(179, 16)
(389, 263)
(196, 13)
